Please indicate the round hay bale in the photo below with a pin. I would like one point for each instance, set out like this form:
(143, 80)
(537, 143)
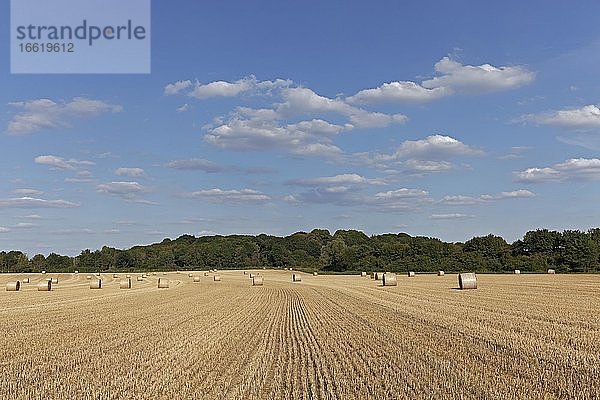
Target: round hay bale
(127, 276)
(44, 286)
(252, 276)
(217, 278)
(411, 274)
(363, 274)
(97, 273)
(296, 278)
(115, 276)
(76, 272)
(257, 281)
(517, 272)
(163, 283)
(140, 279)
(206, 274)
(214, 270)
(144, 276)
(43, 272)
(552, 271)
(26, 280)
(378, 276)
(54, 281)
(88, 277)
(164, 273)
(315, 273)
(190, 275)
(96, 284)
(196, 279)
(389, 279)
(154, 274)
(441, 273)
(125, 283)
(245, 272)
(467, 281)
(372, 275)
(13, 286)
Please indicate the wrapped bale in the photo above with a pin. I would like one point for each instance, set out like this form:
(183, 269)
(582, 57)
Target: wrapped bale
(389, 279)
(96, 284)
(163, 283)
(257, 281)
(125, 283)
(467, 281)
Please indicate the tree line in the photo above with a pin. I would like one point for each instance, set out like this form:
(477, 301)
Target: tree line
(344, 251)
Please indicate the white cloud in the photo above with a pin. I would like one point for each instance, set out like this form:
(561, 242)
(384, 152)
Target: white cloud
(24, 225)
(403, 91)
(300, 100)
(4, 230)
(586, 117)
(56, 162)
(199, 164)
(305, 138)
(454, 78)
(177, 87)
(342, 179)
(80, 177)
(572, 169)
(131, 172)
(450, 216)
(477, 79)
(247, 85)
(126, 190)
(183, 108)
(40, 114)
(403, 193)
(32, 202)
(27, 192)
(461, 200)
(217, 195)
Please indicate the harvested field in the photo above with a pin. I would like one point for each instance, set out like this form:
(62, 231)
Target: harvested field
(331, 337)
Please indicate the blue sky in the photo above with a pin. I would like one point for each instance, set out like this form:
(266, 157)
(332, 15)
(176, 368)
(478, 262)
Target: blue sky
(437, 119)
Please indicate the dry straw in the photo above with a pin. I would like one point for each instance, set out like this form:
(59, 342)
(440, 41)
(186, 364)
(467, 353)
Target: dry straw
(296, 278)
(440, 273)
(125, 283)
(196, 279)
(96, 284)
(163, 283)
(467, 281)
(44, 286)
(257, 281)
(390, 279)
(13, 286)
(217, 278)
(411, 274)
(551, 271)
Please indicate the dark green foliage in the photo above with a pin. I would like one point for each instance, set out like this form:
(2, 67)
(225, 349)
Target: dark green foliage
(345, 250)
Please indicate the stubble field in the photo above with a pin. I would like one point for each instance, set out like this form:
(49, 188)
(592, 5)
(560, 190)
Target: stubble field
(327, 337)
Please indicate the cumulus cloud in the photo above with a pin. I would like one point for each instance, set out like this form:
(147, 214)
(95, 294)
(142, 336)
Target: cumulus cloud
(32, 202)
(131, 172)
(572, 169)
(56, 162)
(34, 115)
(198, 164)
(428, 155)
(80, 177)
(454, 78)
(461, 200)
(126, 190)
(584, 118)
(177, 87)
(342, 179)
(217, 195)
